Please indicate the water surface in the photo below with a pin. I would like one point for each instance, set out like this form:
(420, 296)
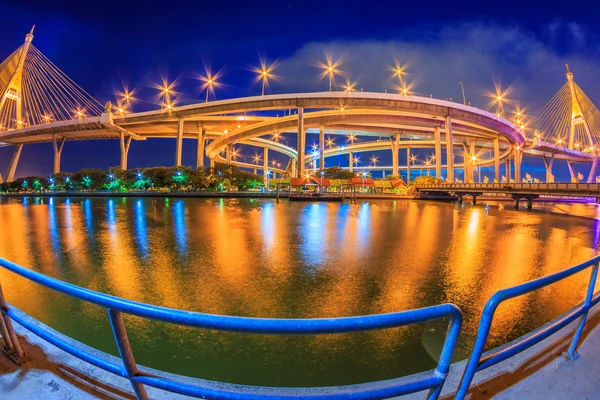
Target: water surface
(290, 260)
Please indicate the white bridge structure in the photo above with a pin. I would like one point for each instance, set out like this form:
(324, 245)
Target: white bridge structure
(39, 103)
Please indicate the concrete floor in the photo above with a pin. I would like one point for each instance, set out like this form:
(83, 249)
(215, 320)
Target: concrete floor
(538, 373)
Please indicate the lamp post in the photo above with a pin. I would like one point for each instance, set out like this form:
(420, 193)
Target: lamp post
(268, 174)
(321, 187)
(364, 174)
(474, 161)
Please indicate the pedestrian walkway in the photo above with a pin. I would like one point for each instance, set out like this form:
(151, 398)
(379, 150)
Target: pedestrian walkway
(540, 372)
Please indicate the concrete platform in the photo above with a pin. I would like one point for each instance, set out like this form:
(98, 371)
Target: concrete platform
(538, 373)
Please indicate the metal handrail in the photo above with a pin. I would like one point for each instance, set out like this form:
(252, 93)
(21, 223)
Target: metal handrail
(584, 187)
(138, 379)
(477, 363)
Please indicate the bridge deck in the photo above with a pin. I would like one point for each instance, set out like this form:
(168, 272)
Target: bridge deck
(541, 189)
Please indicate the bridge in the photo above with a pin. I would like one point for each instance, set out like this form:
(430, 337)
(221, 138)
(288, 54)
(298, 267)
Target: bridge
(517, 191)
(39, 103)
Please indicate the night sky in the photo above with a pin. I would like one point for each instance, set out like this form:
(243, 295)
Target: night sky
(104, 45)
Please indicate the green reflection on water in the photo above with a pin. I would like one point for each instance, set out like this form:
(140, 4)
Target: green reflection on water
(263, 259)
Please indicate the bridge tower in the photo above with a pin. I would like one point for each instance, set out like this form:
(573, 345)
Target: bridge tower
(13, 90)
(577, 117)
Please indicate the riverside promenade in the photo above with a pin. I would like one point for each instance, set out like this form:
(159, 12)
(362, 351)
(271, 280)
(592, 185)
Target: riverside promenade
(540, 372)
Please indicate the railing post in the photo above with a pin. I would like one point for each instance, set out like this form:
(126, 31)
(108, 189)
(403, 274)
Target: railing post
(122, 341)
(478, 348)
(446, 357)
(8, 331)
(572, 353)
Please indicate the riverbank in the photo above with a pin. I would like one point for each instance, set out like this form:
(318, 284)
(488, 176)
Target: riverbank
(206, 195)
(540, 372)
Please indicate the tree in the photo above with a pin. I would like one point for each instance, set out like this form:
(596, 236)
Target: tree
(181, 177)
(337, 173)
(90, 179)
(425, 180)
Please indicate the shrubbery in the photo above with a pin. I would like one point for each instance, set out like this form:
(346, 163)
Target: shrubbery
(222, 177)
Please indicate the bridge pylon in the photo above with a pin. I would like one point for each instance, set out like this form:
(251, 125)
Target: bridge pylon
(577, 115)
(14, 87)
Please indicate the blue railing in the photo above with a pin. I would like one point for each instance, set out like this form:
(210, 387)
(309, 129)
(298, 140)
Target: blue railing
(477, 363)
(128, 369)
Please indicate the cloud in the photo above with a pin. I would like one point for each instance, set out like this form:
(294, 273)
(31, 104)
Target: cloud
(477, 54)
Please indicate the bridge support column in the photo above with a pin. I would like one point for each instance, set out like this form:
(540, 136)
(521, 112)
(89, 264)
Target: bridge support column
(12, 167)
(351, 161)
(58, 147)
(592, 174)
(124, 142)
(572, 171)
(449, 150)
(496, 160)
(468, 164)
(294, 169)
(201, 147)
(438, 153)
(301, 142)
(321, 147)
(408, 165)
(179, 143)
(395, 147)
(548, 164)
(266, 164)
(228, 154)
(518, 157)
(508, 171)
(212, 162)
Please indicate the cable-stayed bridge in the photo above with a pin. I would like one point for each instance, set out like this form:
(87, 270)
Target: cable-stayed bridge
(40, 103)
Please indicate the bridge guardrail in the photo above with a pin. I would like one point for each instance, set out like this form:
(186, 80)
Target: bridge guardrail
(477, 363)
(577, 187)
(116, 307)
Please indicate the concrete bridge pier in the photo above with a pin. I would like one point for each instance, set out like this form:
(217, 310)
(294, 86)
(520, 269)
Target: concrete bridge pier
(592, 174)
(408, 165)
(301, 142)
(58, 148)
(321, 146)
(124, 142)
(351, 161)
(395, 146)
(548, 164)
(449, 150)
(508, 171)
(179, 143)
(266, 164)
(496, 160)
(438, 153)
(468, 163)
(201, 146)
(14, 161)
(572, 171)
(228, 151)
(517, 160)
(529, 199)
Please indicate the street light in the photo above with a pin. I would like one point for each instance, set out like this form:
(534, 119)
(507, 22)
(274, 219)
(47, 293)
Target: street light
(364, 174)
(210, 82)
(329, 69)
(474, 161)
(268, 173)
(398, 71)
(264, 73)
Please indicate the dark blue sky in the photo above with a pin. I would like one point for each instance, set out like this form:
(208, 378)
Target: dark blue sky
(101, 44)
